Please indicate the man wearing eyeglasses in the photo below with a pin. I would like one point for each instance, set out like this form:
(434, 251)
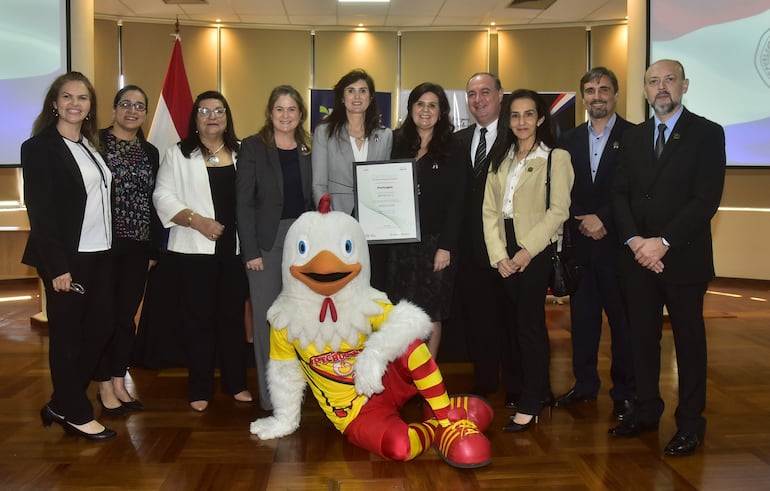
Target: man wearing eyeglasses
(666, 190)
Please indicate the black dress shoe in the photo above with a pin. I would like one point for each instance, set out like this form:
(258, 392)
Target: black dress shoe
(572, 397)
(622, 409)
(105, 434)
(112, 411)
(514, 427)
(132, 405)
(683, 443)
(629, 429)
(48, 416)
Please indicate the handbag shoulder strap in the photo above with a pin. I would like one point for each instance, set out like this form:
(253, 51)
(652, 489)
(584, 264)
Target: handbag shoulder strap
(548, 182)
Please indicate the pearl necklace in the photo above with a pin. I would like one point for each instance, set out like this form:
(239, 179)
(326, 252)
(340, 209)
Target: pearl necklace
(213, 159)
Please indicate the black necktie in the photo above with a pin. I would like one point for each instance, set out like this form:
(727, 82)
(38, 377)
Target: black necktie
(481, 149)
(661, 141)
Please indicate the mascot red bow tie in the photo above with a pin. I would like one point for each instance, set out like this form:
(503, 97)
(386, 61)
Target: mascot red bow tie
(362, 357)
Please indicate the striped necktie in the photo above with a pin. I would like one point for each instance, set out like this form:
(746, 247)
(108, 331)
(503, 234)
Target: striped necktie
(481, 149)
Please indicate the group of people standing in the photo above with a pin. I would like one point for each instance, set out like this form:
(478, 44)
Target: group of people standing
(637, 201)
(98, 203)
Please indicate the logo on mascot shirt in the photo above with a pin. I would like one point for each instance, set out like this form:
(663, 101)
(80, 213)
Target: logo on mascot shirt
(335, 366)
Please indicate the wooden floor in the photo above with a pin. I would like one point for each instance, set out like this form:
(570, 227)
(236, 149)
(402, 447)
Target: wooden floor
(170, 447)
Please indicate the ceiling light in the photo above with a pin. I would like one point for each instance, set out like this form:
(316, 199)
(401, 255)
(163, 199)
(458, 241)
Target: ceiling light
(363, 1)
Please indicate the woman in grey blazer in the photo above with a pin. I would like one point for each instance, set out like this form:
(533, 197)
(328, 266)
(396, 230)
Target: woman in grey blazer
(273, 188)
(351, 133)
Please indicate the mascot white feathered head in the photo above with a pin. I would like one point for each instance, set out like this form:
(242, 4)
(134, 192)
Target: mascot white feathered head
(326, 280)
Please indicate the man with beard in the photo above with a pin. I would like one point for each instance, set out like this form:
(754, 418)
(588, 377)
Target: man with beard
(594, 147)
(666, 190)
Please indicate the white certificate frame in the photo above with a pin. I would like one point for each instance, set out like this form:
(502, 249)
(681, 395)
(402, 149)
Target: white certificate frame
(386, 204)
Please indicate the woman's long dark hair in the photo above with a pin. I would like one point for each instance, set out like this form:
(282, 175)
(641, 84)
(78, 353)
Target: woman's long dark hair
(49, 115)
(338, 117)
(440, 143)
(543, 134)
(301, 136)
(193, 140)
(119, 97)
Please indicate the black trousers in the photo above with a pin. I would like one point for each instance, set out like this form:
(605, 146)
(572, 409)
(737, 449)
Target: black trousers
(599, 291)
(131, 259)
(213, 293)
(526, 292)
(646, 293)
(482, 307)
(79, 327)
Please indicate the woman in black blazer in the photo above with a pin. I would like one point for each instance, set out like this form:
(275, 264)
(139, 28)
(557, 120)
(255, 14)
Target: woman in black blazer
(136, 232)
(273, 188)
(67, 192)
(423, 272)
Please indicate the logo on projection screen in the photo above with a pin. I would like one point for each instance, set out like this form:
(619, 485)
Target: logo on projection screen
(762, 58)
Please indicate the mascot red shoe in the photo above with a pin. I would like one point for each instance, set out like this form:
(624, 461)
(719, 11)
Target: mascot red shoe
(362, 357)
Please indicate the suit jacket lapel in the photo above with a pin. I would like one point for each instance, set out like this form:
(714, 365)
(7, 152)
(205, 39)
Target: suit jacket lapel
(610, 148)
(274, 162)
(305, 175)
(346, 147)
(582, 158)
(671, 145)
(70, 163)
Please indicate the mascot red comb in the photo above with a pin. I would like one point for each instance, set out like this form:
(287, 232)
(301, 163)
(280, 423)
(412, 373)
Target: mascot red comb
(362, 357)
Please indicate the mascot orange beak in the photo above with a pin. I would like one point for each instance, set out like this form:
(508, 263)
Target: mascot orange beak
(325, 274)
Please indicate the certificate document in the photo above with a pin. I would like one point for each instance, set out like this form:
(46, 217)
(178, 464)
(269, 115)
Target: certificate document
(386, 203)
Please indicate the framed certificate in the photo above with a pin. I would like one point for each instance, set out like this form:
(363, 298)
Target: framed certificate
(386, 203)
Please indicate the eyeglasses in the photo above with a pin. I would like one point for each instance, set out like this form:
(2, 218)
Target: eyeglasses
(217, 112)
(139, 106)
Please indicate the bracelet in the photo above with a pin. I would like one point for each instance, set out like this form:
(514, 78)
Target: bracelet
(189, 218)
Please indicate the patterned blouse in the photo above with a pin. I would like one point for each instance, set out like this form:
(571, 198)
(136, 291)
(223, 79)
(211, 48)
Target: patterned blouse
(133, 183)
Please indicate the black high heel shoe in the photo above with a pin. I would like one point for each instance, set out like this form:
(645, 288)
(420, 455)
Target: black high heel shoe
(48, 416)
(549, 402)
(105, 434)
(514, 427)
(112, 411)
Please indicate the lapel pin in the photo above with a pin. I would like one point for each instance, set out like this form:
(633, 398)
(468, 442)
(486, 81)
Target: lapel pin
(675, 136)
(615, 145)
(529, 169)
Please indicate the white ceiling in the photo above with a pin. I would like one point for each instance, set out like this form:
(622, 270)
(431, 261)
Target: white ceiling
(328, 14)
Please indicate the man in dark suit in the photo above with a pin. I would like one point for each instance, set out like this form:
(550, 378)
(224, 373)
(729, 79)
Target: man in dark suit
(594, 147)
(479, 290)
(667, 188)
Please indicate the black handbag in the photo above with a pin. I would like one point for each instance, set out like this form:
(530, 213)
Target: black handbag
(566, 271)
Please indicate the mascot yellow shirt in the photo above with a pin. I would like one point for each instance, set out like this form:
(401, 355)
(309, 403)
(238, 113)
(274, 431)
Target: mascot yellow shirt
(329, 373)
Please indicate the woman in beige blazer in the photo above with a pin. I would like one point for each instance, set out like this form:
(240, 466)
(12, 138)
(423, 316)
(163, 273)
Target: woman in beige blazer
(517, 231)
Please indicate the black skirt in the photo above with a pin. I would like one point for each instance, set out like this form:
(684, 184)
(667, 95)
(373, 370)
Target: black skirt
(410, 276)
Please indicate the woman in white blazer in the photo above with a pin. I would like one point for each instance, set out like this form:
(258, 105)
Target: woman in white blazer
(517, 232)
(195, 198)
(351, 133)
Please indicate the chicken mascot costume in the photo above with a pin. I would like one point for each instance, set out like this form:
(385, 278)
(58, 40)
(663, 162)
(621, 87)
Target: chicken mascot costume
(362, 357)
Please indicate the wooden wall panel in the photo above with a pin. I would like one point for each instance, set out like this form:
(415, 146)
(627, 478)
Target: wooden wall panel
(255, 61)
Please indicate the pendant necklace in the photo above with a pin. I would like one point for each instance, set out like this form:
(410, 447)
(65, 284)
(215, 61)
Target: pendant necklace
(213, 159)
